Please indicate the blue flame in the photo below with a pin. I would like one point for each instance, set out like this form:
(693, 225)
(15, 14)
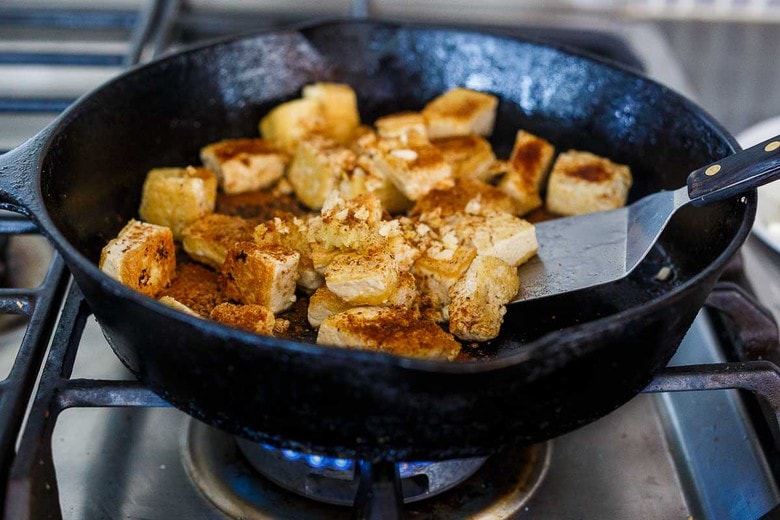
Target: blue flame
(314, 461)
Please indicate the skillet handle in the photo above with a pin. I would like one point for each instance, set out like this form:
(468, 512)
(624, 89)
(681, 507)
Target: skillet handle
(735, 174)
(19, 171)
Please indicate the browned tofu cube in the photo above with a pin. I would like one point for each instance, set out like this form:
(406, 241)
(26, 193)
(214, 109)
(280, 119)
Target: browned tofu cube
(347, 224)
(468, 155)
(405, 126)
(497, 234)
(254, 318)
(208, 239)
(466, 194)
(363, 279)
(317, 167)
(479, 298)
(293, 233)
(177, 197)
(460, 111)
(367, 178)
(527, 169)
(244, 165)
(387, 329)
(581, 182)
(339, 107)
(142, 257)
(415, 169)
(291, 122)
(261, 275)
(438, 269)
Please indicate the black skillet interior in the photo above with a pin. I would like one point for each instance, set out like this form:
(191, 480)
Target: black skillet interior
(163, 114)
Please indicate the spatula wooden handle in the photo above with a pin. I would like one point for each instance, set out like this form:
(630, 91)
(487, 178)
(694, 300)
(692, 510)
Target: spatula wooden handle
(743, 171)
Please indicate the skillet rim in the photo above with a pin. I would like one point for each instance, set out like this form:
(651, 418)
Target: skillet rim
(237, 338)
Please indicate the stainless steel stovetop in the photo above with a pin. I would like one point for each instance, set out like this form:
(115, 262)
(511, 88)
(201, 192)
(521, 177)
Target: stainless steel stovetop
(122, 453)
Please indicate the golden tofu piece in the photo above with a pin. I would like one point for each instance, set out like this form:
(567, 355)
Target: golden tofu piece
(339, 107)
(479, 298)
(405, 126)
(347, 224)
(173, 303)
(438, 269)
(291, 122)
(387, 329)
(208, 239)
(142, 257)
(415, 169)
(292, 232)
(581, 182)
(323, 304)
(254, 318)
(363, 278)
(466, 194)
(527, 170)
(367, 178)
(460, 111)
(262, 275)
(317, 167)
(244, 165)
(497, 234)
(468, 155)
(177, 197)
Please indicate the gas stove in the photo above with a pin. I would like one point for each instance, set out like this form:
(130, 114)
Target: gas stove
(80, 438)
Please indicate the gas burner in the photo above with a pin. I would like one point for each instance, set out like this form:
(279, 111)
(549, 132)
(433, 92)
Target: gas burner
(336, 481)
(252, 481)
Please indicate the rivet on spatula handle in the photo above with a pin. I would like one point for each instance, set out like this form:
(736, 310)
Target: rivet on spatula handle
(736, 174)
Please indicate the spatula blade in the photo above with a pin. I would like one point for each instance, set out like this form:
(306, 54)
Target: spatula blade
(597, 248)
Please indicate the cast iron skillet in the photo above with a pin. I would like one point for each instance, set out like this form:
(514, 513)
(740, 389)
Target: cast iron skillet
(557, 365)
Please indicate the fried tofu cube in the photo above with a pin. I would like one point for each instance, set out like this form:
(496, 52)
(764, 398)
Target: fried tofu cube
(347, 224)
(291, 122)
(466, 194)
(325, 303)
(208, 239)
(527, 169)
(460, 111)
(292, 232)
(339, 107)
(498, 234)
(363, 278)
(415, 169)
(254, 318)
(391, 330)
(438, 269)
(405, 126)
(479, 298)
(177, 197)
(142, 257)
(468, 155)
(244, 165)
(316, 168)
(581, 182)
(367, 179)
(261, 275)
(173, 303)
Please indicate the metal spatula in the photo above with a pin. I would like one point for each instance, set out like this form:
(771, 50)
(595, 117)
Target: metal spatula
(588, 250)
